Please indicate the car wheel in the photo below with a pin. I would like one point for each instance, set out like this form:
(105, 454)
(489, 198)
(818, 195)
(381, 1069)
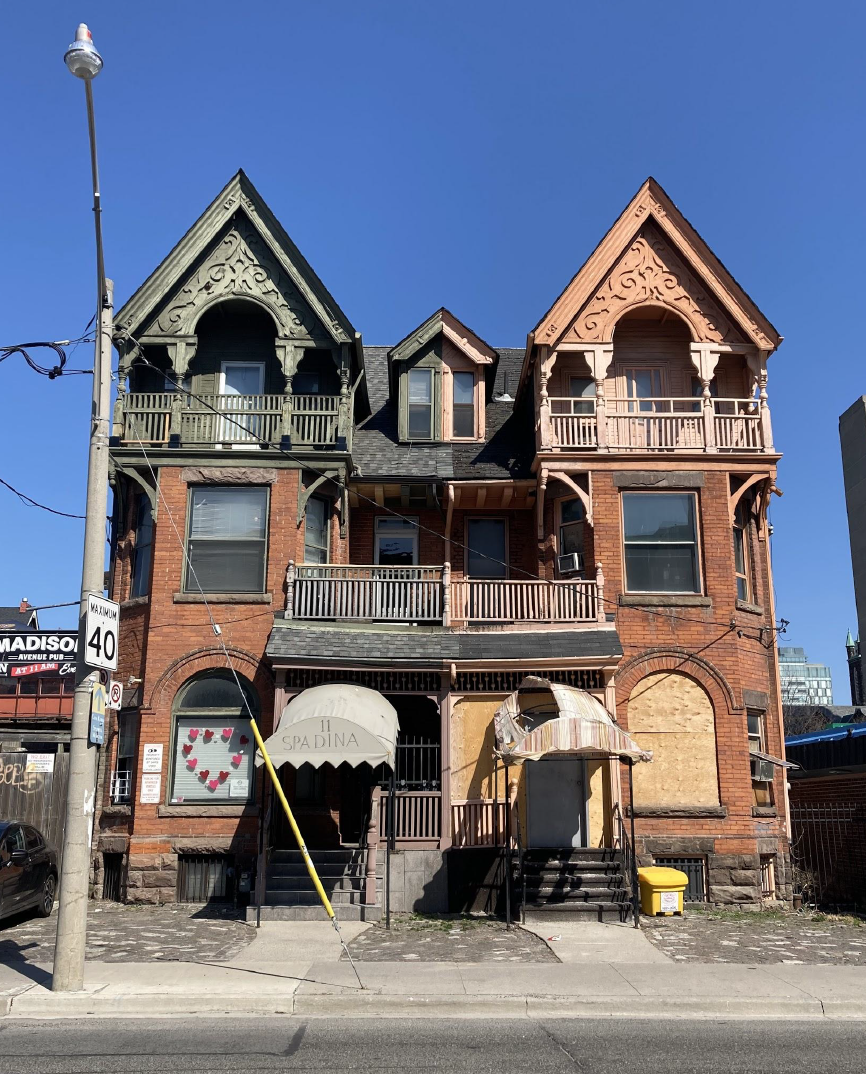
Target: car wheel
(46, 899)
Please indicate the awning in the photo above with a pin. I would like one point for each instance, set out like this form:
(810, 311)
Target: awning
(543, 717)
(773, 760)
(335, 724)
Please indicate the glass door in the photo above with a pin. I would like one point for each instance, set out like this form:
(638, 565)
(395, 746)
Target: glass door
(242, 383)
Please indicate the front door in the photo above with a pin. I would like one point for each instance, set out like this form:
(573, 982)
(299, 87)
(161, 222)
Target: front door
(555, 802)
(241, 382)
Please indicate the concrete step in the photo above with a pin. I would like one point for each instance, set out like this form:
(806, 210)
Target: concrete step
(589, 911)
(297, 883)
(579, 856)
(352, 912)
(574, 876)
(311, 898)
(554, 890)
(549, 896)
(325, 869)
(333, 856)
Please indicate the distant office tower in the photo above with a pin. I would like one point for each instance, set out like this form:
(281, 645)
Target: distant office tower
(855, 669)
(852, 436)
(803, 683)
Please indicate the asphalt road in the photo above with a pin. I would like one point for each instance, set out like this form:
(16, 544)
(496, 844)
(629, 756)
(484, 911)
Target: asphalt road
(605, 1046)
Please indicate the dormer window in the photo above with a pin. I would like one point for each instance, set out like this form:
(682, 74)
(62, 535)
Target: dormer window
(420, 404)
(463, 406)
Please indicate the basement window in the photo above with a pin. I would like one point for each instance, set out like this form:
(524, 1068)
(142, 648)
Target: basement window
(695, 870)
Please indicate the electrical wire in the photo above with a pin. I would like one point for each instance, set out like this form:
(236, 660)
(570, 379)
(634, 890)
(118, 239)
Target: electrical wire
(304, 463)
(52, 372)
(30, 502)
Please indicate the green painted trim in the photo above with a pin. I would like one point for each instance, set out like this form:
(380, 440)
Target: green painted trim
(430, 359)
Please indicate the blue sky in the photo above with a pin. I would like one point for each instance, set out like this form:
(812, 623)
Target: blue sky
(460, 154)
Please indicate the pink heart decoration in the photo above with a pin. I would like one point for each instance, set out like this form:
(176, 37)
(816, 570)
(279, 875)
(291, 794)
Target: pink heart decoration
(213, 784)
(244, 740)
(192, 762)
(208, 735)
(237, 758)
(228, 732)
(224, 776)
(187, 749)
(193, 733)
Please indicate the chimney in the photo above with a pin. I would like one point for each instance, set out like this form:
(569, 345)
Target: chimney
(24, 606)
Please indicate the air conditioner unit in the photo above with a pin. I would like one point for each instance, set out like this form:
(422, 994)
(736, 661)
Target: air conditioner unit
(762, 771)
(571, 564)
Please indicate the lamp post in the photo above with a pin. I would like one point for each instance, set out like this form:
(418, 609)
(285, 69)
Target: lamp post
(85, 63)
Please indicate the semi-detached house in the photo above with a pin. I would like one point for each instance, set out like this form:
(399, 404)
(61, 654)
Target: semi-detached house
(436, 520)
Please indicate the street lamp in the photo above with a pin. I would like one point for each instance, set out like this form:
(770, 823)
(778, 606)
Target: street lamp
(85, 63)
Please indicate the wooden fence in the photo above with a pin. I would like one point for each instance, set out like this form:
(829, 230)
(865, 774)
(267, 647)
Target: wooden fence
(37, 798)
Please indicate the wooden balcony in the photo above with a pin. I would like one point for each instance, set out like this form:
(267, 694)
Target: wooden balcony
(174, 419)
(663, 424)
(430, 595)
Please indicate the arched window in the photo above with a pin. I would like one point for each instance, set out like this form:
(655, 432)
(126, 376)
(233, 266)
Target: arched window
(213, 748)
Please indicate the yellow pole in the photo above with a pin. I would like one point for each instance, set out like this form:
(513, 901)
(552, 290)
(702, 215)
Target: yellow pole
(308, 861)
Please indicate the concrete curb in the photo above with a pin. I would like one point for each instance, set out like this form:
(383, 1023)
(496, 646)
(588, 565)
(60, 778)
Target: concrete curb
(375, 1005)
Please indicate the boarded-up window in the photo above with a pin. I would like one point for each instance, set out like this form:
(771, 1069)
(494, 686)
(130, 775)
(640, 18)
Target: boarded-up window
(672, 715)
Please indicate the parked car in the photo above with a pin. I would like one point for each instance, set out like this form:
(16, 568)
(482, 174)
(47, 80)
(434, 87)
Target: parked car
(28, 870)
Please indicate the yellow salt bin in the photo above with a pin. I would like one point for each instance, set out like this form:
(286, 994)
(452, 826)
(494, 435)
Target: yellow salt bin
(661, 890)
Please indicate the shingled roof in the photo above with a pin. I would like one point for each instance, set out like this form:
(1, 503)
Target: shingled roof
(507, 450)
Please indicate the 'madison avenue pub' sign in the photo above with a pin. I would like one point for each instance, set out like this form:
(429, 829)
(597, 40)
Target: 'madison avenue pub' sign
(37, 653)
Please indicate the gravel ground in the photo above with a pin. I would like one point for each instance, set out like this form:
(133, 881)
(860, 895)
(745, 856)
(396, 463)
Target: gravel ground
(118, 933)
(433, 939)
(760, 937)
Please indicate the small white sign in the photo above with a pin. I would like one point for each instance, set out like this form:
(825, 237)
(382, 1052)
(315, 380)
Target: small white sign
(670, 901)
(100, 631)
(239, 788)
(152, 761)
(151, 787)
(115, 694)
(39, 762)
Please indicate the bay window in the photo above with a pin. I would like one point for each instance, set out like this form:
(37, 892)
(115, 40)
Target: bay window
(660, 542)
(227, 541)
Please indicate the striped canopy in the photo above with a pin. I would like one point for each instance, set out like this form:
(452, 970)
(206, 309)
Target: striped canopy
(543, 717)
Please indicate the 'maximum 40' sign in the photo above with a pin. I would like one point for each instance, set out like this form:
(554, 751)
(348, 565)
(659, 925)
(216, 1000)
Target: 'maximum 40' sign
(37, 653)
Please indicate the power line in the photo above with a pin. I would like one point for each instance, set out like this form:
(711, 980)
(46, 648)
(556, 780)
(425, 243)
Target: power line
(52, 372)
(30, 502)
(397, 514)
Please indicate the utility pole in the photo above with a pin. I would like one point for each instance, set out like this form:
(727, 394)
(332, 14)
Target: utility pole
(84, 62)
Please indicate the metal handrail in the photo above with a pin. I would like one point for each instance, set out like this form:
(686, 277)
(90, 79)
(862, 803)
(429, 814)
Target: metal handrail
(629, 861)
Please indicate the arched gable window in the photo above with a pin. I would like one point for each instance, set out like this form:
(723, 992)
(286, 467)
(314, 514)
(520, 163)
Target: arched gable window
(213, 748)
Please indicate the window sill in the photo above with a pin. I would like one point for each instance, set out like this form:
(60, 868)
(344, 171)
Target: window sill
(118, 810)
(764, 811)
(745, 606)
(248, 809)
(135, 602)
(678, 811)
(223, 598)
(665, 600)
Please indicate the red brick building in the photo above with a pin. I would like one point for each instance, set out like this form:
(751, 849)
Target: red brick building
(434, 521)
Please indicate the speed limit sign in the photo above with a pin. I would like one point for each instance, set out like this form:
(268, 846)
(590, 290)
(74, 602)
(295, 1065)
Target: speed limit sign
(101, 623)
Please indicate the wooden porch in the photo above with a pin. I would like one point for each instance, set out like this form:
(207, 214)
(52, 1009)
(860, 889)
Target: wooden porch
(431, 595)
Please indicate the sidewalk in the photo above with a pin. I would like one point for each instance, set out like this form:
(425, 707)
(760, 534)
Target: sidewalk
(297, 970)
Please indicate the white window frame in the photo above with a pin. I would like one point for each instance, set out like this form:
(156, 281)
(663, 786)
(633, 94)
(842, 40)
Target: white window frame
(465, 373)
(698, 591)
(429, 373)
(260, 366)
(410, 531)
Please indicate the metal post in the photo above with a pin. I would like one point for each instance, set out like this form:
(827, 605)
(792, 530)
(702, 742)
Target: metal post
(261, 865)
(507, 850)
(389, 839)
(635, 893)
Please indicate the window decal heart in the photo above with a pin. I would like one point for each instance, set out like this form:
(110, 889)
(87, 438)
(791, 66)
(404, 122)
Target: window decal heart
(193, 733)
(228, 732)
(213, 784)
(205, 772)
(208, 735)
(224, 776)
(237, 758)
(187, 749)
(244, 740)
(192, 762)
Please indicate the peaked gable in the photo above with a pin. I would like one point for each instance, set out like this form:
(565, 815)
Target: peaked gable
(236, 248)
(444, 321)
(652, 255)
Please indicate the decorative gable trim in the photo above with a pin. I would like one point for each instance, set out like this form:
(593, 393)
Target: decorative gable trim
(653, 255)
(445, 322)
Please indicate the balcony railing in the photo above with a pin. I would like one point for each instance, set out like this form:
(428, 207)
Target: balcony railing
(169, 418)
(430, 595)
(417, 816)
(659, 424)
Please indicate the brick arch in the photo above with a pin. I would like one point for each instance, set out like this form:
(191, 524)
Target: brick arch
(681, 662)
(208, 658)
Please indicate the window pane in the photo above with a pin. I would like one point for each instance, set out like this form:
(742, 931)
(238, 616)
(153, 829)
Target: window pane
(316, 541)
(141, 550)
(486, 555)
(464, 388)
(742, 589)
(227, 566)
(8, 687)
(212, 768)
(127, 728)
(420, 385)
(661, 568)
(396, 551)
(305, 384)
(754, 722)
(572, 511)
(571, 538)
(739, 555)
(27, 687)
(658, 517)
(49, 687)
(228, 513)
(463, 420)
(214, 692)
(581, 387)
(420, 422)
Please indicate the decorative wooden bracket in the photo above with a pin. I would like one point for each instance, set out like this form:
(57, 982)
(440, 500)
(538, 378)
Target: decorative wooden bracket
(738, 494)
(151, 493)
(539, 503)
(585, 499)
(305, 493)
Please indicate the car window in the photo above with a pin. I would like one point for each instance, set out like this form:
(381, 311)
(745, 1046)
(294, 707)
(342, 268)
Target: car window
(32, 838)
(14, 840)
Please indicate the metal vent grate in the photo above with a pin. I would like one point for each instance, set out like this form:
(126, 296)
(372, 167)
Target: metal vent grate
(695, 870)
(112, 877)
(205, 878)
(386, 682)
(498, 682)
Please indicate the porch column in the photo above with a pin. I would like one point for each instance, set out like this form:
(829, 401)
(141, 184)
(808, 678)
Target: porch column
(291, 574)
(545, 368)
(598, 358)
(445, 835)
(343, 412)
(705, 358)
(372, 838)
